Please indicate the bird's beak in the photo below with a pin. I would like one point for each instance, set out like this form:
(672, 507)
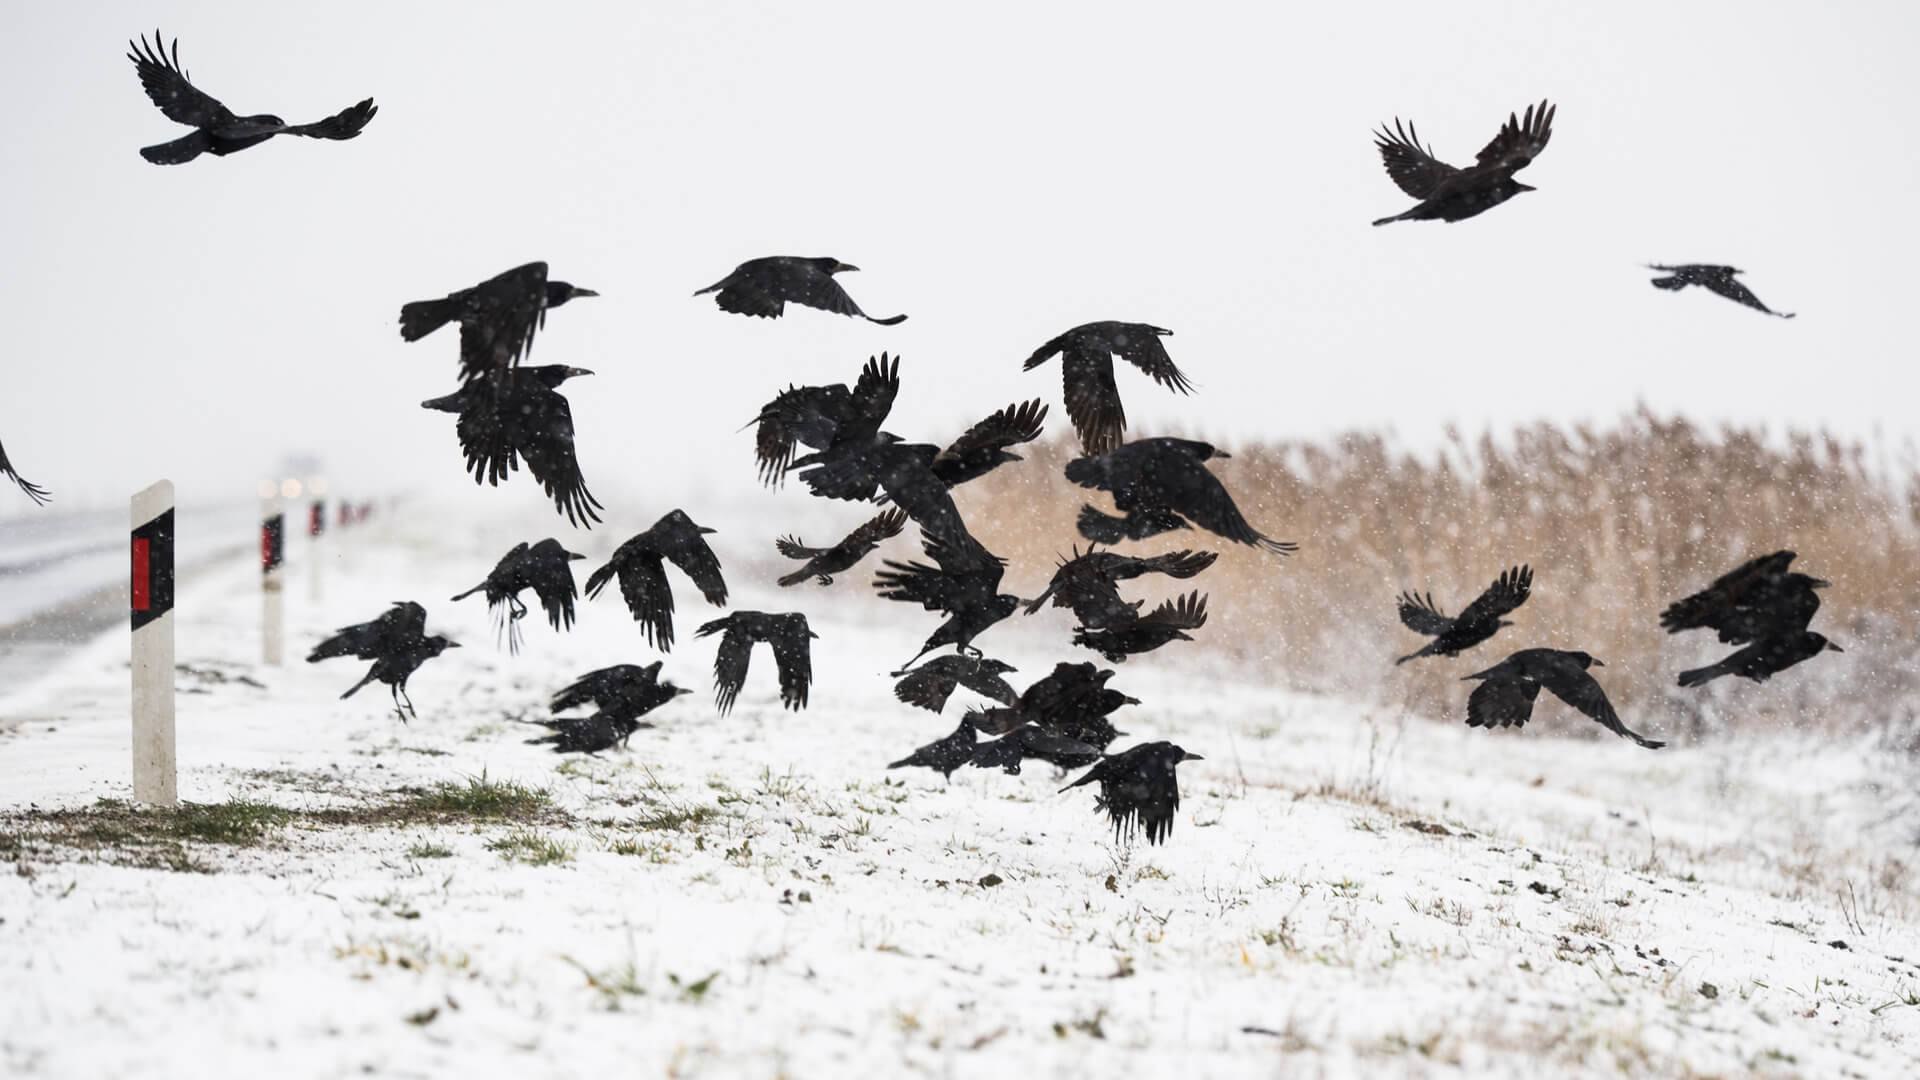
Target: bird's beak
(453, 644)
(678, 690)
(574, 556)
(1221, 454)
(576, 372)
(1193, 757)
(1599, 663)
(1817, 583)
(1831, 647)
(813, 635)
(843, 268)
(578, 292)
(704, 531)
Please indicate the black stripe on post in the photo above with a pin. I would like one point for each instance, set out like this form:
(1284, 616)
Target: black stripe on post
(273, 543)
(317, 518)
(152, 580)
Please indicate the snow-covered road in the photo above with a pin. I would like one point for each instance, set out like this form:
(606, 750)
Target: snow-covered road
(1344, 891)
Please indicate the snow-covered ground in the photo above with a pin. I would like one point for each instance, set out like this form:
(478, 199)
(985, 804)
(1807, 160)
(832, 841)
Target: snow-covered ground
(1344, 891)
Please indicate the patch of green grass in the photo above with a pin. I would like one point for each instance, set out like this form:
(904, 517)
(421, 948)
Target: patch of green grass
(235, 822)
(678, 819)
(427, 850)
(527, 846)
(481, 799)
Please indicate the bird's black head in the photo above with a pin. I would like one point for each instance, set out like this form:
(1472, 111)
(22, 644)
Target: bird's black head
(559, 292)
(1825, 645)
(551, 375)
(833, 266)
(1585, 660)
(680, 519)
(677, 690)
(1180, 754)
(1809, 581)
(439, 643)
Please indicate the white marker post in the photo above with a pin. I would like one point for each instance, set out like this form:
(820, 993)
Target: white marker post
(155, 778)
(273, 551)
(316, 532)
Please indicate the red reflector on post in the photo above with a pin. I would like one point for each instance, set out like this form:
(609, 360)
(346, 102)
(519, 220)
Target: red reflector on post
(142, 578)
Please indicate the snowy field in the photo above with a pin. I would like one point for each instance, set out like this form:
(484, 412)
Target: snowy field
(1344, 892)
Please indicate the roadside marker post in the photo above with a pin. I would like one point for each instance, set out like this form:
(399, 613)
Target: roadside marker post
(316, 532)
(273, 554)
(155, 774)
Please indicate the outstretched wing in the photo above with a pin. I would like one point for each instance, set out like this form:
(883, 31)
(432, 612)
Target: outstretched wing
(1411, 165)
(1174, 564)
(550, 573)
(1093, 398)
(1187, 612)
(1507, 592)
(1140, 345)
(1420, 615)
(1501, 702)
(643, 584)
(876, 530)
(800, 414)
(1730, 287)
(792, 644)
(602, 687)
(929, 685)
(696, 560)
(1520, 139)
(1716, 604)
(1580, 690)
(507, 309)
(34, 491)
(792, 548)
(167, 84)
(1017, 423)
(874, 391)
(1199, 496)
(730, 662)
(484, 437)
(344, 124)
(542, 429)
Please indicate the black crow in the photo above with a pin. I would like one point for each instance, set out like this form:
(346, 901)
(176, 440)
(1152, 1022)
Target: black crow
(396, 642)
(1480, 621)
(1031, 741)
(1505, 695)
(639, 563)
(1138, 788)
(1073, 700)
(1758, 599)
(34, 491)
(861, 463)
(1715, 279)
(763, 288)
(1086, 371)
(1161, 485)
(982, 448)
(932, 683)
(1764, 659)
(823, 563)
(943, 755)
(833, 420)
(1088, 584)
(1451, 194)
(547, 569)
(218, 130)
(527, 419)
(497, 317)
(792, 644)
(962, 584)
(1168, 622)
(622, 694)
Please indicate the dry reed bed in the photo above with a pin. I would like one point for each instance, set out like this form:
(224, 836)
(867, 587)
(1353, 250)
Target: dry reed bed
(1616, 523)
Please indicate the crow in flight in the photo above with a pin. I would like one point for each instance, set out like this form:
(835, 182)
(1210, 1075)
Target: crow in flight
(962, 584)
(1168, 622)
(943, 755)
(1086, 369)
(622, 694)
(1480, 621)
(1088, 584)
(527, 418)
(396, 642)
(1765, 658)
(932, 683)
(1162, 485)
(1451, 194)
(218, 130)
(1073, 700)
(823, 563)
(34, 491)
(792, 644)
(1138, 788)
(1505, 695)
(1715, 279)
(497, 317)
(830, 419)
(643, 576)
(1758, 599)
(763, 287)
(880, 466)
(547, 569)
(1032, 741)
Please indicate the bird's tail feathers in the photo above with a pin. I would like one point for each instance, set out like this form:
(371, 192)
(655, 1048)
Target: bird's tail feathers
(894, 320)
(471, 591)
(1669, 283)
(1702, 676)
(179, 151)
(796, 578)
(423, 317)
(1098, 527)
(598, 580)
(355, 688)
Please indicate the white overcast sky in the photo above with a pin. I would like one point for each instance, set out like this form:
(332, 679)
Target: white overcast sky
(1000, 172)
